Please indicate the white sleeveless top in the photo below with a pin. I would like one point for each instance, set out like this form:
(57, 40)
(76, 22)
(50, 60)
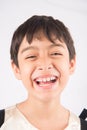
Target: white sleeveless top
(15, 120)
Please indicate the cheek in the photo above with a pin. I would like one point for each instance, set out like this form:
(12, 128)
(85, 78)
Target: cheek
(26, 72)
(25, 69)
(63, 65)
(63, 68)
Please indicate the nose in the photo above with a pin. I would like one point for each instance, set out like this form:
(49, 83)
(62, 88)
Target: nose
(45, 67)
(44, 63)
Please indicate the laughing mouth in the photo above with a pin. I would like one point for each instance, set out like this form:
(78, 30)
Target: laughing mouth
(47, 80)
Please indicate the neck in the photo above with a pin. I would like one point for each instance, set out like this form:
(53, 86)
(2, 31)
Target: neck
(39, 108)
(41, 114)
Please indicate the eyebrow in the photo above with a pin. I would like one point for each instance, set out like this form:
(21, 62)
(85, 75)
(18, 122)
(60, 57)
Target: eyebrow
(57, 44)
(36, 48)
(28, 48)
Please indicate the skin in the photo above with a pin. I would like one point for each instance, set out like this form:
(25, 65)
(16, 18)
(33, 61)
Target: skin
(43, 61)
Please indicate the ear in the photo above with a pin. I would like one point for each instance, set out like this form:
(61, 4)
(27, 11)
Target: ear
(72, 65)
(16, 70)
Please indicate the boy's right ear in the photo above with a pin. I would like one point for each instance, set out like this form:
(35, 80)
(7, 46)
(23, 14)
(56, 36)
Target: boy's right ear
(16, 70)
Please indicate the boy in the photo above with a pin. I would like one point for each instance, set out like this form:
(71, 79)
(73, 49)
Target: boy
(42, 57)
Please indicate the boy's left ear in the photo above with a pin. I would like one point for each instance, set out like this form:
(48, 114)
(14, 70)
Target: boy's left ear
(72, 65)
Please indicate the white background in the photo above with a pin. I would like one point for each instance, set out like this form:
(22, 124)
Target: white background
(74, 15)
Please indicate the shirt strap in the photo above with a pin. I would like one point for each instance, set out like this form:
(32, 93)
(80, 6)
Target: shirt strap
(2, 116)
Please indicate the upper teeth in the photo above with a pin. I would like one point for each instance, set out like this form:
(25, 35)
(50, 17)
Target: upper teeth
(46, 79)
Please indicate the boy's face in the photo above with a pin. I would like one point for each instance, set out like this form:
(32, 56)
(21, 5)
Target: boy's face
(44, 67)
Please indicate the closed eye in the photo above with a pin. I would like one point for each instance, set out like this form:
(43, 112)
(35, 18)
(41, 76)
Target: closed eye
(56, 54)
(31, 57)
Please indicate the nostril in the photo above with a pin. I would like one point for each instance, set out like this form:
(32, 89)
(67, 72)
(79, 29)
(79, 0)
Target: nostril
(50, 67)
(45, 67)
(40, 68)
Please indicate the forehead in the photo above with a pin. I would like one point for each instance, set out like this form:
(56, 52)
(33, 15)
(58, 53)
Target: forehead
(42, 42)
(41, 45)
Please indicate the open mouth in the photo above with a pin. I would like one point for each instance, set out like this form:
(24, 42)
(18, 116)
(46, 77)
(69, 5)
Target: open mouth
(45, 81)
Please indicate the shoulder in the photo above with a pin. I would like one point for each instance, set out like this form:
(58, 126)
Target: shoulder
(74, 118)
(77, 122)
(74, 122)
(9, 112)
(15, 120)
(6, 114)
